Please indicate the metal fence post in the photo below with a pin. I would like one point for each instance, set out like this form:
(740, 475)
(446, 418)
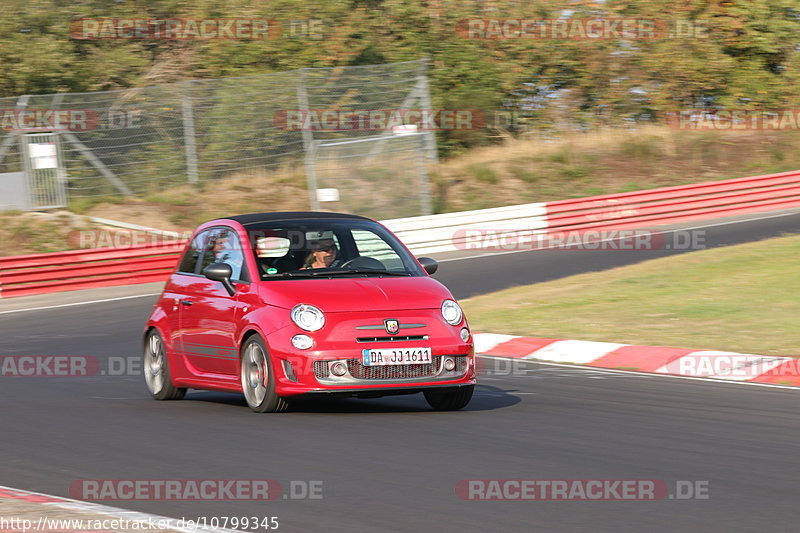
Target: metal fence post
(98, 164)
(188, 132)
(309, 146)
(8, 142)
(430, 156)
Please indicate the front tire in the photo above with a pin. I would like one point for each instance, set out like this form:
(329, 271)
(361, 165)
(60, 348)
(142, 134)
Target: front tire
(258, 378)
(449, 398)
(156, 369)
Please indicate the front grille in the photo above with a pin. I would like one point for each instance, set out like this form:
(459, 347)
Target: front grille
(393, 339)
(461, 364)
(359, 371)
(321, 369)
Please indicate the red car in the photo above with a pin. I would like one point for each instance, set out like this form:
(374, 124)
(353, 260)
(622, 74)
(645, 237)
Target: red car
(278, 305)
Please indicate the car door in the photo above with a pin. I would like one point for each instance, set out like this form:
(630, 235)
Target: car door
(208, 314)
(175, 298)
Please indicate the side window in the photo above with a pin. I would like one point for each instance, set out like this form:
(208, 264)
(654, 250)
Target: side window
(371, 245)
(189, 262)
(223, 246)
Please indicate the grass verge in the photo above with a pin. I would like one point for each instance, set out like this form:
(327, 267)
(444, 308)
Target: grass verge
(29, 233)
(743, 298)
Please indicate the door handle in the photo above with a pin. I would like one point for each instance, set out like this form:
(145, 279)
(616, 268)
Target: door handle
(186, 302)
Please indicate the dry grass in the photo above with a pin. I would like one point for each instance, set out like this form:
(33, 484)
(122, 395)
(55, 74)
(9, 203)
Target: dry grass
(183, 208)
(740, 298)
(518, 171)
(606, 161)
(28, 233)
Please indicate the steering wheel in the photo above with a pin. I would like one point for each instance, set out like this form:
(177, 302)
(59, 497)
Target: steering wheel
(361, 261)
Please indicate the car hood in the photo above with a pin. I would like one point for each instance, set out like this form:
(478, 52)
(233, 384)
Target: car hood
(357, 294)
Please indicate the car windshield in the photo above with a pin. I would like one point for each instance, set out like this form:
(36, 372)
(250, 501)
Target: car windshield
(328, 248)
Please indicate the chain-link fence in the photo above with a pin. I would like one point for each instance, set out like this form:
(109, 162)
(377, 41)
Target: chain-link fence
(140, 142)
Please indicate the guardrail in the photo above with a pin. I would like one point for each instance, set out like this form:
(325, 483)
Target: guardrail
(678, 204)
(61, 271)
(82, 269)
(636, 209)
(441, 233)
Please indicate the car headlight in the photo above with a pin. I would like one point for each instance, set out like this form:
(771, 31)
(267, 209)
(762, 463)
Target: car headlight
(308, 317)
(452, 312)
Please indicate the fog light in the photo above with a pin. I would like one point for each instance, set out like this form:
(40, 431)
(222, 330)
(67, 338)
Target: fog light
(464, 334)
(338, 369)
(302, 342)
(288, 370)
(449, 363)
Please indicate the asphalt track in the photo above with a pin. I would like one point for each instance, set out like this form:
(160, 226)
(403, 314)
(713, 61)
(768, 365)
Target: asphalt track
(391, 464)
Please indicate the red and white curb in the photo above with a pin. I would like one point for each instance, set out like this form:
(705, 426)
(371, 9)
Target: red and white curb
(728, 366)
(50, 507)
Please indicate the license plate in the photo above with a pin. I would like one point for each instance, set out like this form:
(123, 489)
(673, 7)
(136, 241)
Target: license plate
(396, 356)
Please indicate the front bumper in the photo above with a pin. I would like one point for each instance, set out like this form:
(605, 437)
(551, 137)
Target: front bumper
(344, 338)
(358, 374)
(298, 373)
(378, 392)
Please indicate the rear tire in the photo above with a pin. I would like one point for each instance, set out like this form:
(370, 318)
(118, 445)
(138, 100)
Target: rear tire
(156, 369)
(449, 398)
(258, 378)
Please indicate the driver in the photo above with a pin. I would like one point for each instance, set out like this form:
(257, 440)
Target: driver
(224, 250)
(323, 255)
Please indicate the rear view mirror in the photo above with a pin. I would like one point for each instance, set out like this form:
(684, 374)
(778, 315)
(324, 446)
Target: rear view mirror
(272, 246)
(221, 272)
(430, 265)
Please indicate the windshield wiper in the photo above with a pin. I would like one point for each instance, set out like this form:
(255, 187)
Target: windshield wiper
(324, 272)
(359, 271)
(295, 274)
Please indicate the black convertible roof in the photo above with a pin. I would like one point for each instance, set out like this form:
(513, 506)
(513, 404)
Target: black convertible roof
(257, 218)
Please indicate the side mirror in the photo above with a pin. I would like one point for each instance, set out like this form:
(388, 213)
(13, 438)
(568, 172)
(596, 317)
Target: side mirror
(221, 272)
(430, 265)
